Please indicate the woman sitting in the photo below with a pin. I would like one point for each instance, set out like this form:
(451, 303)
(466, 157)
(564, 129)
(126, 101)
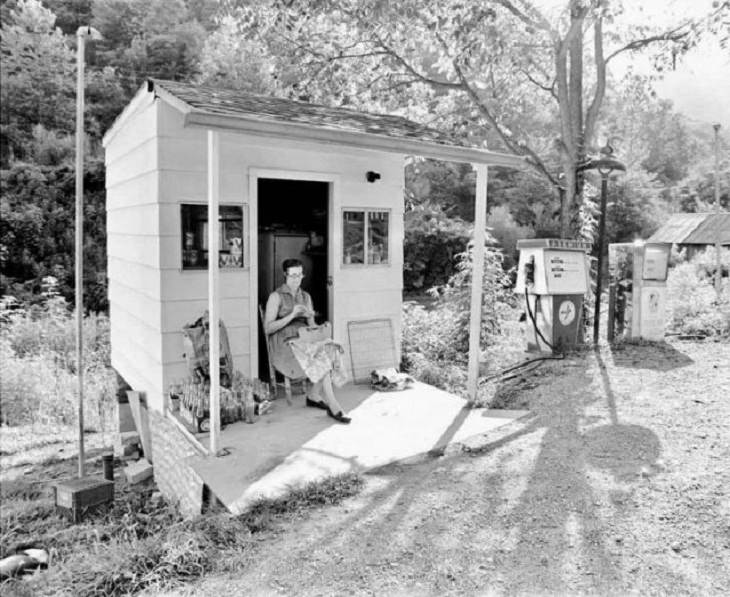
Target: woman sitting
(288, 309)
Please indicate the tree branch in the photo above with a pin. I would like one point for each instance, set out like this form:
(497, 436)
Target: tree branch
(537, 20)
(516, 147)
(406, 65)
(641, 43)
(531, 79)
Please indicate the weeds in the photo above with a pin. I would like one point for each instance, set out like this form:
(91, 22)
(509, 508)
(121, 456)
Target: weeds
(38, 364)
(139, 542)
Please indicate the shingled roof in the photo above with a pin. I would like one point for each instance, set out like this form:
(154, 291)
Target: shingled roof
(232, 102)
(694, 229)
(230, 109)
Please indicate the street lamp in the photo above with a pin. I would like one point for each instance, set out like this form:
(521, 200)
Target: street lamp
(81, 34)
(605, 164)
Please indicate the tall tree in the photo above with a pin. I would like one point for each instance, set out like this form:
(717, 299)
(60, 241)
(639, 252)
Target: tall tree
(478, 67)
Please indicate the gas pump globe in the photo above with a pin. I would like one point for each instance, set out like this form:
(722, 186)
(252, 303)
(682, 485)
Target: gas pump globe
(637, 292)
(553, 276)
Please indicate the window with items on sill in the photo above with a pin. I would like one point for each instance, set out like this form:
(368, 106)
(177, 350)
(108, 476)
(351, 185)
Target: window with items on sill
(231, 254)
(365, 235)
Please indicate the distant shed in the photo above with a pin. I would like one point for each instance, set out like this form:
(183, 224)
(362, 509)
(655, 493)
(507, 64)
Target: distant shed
(694, 232)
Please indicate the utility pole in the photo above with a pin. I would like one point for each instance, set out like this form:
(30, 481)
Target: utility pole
(718, 246)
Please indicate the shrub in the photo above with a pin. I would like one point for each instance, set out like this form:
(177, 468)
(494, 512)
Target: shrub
(38, 364)
(436, 339)
(507, 232)
(431, 246)
(693, 306)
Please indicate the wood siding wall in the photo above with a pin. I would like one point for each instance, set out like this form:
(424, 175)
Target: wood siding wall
(133, 249)
(360, 292)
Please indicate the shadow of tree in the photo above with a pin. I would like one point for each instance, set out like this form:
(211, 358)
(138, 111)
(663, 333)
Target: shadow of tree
(659, 356)
(462, 523)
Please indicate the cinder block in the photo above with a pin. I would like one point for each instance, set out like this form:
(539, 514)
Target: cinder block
(131, 455)
(129, 437)
(137, 472)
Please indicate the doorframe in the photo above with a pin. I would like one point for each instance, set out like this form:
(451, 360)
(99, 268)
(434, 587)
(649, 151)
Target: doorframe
(333, 242)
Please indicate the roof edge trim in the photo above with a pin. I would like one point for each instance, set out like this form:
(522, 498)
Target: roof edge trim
(139, 100)
(304, 132)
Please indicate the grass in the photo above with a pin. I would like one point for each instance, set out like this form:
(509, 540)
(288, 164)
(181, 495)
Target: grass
(140, 541)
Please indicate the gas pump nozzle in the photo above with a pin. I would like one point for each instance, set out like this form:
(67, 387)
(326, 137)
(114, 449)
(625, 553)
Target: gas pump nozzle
(530, 271)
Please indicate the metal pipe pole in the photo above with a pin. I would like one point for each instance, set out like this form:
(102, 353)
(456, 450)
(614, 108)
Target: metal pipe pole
(79, 258)
(214, 288)
(718, 246)
(599, 273)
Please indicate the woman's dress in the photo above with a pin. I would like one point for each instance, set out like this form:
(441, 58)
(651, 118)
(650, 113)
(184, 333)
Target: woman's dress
(296, 358)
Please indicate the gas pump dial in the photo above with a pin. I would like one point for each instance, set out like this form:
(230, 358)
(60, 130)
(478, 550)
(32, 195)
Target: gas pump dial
(566, 312)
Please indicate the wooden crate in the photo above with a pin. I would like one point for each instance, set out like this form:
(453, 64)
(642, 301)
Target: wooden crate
(75, 496)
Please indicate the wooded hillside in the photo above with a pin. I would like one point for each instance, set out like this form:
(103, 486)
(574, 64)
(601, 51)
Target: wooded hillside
(480, 69)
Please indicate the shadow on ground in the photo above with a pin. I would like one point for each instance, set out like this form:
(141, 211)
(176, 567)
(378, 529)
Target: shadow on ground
(502, 518)
(659, 356)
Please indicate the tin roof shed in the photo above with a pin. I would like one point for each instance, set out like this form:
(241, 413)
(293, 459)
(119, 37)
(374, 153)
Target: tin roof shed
(694, 229)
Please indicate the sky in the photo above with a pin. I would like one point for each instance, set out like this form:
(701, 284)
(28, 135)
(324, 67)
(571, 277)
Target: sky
(700, 87)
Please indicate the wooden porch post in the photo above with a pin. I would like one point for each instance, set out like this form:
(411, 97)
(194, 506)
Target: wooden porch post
(477, 278)
(213, 287)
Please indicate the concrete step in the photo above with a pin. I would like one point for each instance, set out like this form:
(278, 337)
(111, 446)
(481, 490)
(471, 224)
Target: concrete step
(137, 472)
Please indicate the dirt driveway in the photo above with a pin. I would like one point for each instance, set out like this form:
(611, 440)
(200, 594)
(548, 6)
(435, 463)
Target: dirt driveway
(619, 482)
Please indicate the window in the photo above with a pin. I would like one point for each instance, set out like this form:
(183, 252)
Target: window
(195, 236)
(365, 237)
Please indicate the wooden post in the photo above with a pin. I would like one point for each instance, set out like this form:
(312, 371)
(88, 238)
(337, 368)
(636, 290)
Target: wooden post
(477, 278)
(213, 287)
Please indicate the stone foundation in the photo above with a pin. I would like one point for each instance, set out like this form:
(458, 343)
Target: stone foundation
(175, 479)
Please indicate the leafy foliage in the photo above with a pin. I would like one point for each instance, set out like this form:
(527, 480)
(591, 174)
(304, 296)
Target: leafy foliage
(694, 307)
(37, 231)
(515, 74)
(432, 244)
(436, 339)
(37, 70)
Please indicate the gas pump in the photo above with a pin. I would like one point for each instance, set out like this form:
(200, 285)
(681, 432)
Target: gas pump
(637, 291)
(553, 275)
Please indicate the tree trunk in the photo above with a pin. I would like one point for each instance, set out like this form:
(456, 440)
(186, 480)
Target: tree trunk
(575, 87)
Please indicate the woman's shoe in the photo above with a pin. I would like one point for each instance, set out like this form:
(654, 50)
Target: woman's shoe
(339, 417)
(316, 403)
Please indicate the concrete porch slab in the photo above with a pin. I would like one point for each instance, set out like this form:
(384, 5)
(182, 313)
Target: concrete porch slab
(295, 445)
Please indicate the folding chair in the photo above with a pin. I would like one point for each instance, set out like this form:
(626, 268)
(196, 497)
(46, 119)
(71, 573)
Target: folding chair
(272, 371)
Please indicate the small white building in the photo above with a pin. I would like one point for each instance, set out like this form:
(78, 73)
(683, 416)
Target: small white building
(288, 179)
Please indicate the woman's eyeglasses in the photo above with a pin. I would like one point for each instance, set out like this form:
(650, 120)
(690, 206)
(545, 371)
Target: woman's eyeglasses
(295, 275)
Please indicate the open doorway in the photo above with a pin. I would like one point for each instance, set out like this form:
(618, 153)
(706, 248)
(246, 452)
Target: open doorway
(292, 224)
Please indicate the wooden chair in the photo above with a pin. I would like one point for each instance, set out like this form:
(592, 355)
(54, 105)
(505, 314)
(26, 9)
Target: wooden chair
(286, 383)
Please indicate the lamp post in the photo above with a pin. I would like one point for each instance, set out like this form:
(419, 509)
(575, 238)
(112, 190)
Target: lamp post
(605, 164)
(81, 34)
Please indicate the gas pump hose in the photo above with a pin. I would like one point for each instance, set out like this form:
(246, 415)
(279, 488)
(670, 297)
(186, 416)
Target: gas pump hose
(556, 357)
